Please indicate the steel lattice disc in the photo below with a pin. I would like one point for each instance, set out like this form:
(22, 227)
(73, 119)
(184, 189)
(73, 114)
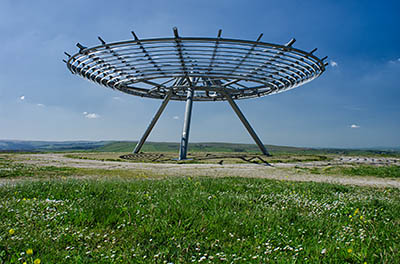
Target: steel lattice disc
(209, 66)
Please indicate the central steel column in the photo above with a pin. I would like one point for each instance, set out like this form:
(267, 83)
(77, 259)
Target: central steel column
(186, 125)
(246, 124)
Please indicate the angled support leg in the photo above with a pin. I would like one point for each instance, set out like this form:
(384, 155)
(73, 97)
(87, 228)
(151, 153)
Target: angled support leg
(153, 122)
(246, 124)
(186, 125)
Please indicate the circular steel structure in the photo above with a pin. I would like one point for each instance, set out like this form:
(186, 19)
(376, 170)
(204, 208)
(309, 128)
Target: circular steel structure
(196, 69)
(210, 66)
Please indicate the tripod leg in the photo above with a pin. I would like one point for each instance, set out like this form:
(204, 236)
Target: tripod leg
(246, 124)
(153, 122)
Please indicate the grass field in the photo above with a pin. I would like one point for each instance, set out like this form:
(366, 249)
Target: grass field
(10, 169)
(211, 220)
(358, 170)
(82, 215)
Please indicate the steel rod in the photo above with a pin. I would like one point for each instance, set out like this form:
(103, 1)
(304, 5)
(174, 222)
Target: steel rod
(246, 124)
(186, 125)
(139, 145)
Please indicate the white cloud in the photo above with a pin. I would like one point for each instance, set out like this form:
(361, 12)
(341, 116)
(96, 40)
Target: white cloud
(395, 61)
(91, 115)
(22, 97)
(354, 126)
(116, 98)
(176, 117)
(334, 63)
(41, 105)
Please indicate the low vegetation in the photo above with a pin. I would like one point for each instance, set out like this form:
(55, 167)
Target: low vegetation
(90, 215)
(181, 220)
(392, 171)
(11, 169)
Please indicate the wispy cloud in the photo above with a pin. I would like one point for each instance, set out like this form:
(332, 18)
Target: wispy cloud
(117, 98)
(395, 61)
(41, 105)
(354, 126)
(175, 117)
(334, 64)
(91, 115)
(22, 97)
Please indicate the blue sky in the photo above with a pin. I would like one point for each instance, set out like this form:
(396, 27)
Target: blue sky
(355, 103)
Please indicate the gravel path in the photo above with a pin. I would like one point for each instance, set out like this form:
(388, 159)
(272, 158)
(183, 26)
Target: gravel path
(281, 171)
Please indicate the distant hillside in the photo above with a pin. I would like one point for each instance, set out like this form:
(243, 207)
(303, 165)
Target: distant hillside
(22, 145)
(128, 146)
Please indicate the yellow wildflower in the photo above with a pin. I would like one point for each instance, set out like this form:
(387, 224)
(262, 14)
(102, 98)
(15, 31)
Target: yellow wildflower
(356, 211)
(350, 216)
(349, 250)
(36, 261)
(24, 262)
(361, 217)
(11, 231)
(29, 251)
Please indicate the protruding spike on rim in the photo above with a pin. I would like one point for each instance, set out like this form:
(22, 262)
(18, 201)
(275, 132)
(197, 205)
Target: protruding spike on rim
(314, 50)
(324, 58)
(68, 55)
(219, 33)
(291, 42)
(101, 40)
(176, 34)
(64, 61)
(79, 45)
(134, 35)
(260, 36)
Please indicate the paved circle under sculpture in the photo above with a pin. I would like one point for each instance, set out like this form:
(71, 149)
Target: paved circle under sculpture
(196, 69)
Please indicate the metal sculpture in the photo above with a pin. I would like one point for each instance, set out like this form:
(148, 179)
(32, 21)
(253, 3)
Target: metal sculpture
(196, 69)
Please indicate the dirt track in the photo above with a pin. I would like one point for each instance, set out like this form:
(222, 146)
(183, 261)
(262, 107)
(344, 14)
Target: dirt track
(282, 171)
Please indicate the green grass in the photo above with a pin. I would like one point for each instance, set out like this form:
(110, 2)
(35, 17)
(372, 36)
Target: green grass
(181, 220)
(358, 170)
(11, 169)
(120, 216)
